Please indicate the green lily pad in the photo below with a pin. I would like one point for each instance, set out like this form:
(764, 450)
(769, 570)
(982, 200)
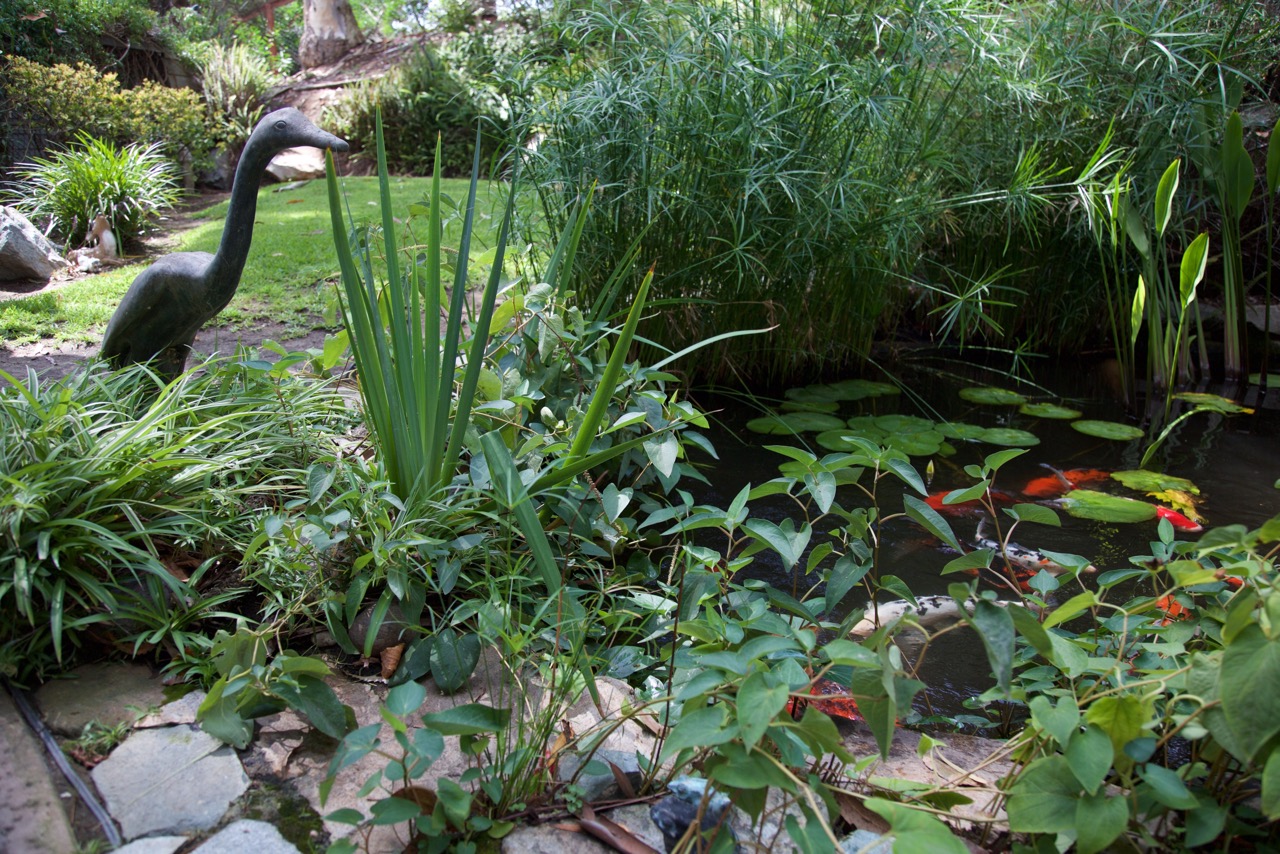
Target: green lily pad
(991, 396)
(809, 406)
(1008, 437)
(1142, 480)
(921, 444)
(1087, 504)
(838, 440)
(960, 431)
(1107, 430)
(843, 390)
(787, 423)
(903, 424)
(1214, 402)
(1048, 410)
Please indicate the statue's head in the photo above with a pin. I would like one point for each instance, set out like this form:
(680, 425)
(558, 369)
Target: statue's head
(289, 128)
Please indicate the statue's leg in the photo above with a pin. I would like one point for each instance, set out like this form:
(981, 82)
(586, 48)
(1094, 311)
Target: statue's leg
(172, 361)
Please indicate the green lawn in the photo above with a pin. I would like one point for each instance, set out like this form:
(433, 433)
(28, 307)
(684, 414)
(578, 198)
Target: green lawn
(291, 271)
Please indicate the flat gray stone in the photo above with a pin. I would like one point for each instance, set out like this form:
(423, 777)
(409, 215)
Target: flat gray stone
(602, 786)
(99, 692)
(170, 780)
(295, 164)
(31, 815)
(247, 835)
(25, 253)
(549, 839)
(153, 845)
(180, 711)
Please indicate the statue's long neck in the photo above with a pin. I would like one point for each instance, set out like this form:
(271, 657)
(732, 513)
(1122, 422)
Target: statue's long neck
(237, 233)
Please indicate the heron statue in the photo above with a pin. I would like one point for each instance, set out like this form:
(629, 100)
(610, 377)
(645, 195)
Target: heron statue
(168, 302)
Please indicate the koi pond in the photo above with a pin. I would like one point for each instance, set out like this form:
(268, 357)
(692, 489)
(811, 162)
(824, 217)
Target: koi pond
(1219, 462)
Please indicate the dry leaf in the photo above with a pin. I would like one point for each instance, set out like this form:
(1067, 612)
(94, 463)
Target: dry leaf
(37, 16)
(391, 659)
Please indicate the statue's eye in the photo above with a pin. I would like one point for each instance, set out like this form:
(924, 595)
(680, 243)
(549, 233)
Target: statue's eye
(280, 124)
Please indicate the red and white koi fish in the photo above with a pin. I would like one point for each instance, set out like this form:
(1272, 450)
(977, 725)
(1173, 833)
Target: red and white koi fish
(928, 611)
(1022, 560)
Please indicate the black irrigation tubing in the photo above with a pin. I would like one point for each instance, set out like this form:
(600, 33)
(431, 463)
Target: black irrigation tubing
(90, 800)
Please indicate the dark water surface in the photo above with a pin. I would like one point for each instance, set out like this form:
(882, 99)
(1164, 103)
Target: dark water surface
(1233, 460)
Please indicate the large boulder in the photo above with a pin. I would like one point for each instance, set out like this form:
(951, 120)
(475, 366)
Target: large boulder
(297, 164)
(25, 254)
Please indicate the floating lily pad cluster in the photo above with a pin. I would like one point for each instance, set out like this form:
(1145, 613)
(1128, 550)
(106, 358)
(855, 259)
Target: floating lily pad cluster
(991, 396)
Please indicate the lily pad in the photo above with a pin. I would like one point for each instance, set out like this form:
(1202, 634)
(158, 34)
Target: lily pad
(843, 390)
(991, 396)
(787, 423)
(960, 431)
(1107, 430)
(1214, 402)
(1273, 380)
(809, 406)
(921, 444)
(1048, 410)
(1154, 481)
(838, 440)
(1087, 504)
(1008, 437)
(904, 424)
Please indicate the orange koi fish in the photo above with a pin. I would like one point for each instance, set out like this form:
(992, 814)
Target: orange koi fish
(1061, 482)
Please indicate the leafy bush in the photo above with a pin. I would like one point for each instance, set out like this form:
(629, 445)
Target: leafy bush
(50, 31)
(422, 100)
(235, 81)
(128, 186)
(68, 101)
(112, 480)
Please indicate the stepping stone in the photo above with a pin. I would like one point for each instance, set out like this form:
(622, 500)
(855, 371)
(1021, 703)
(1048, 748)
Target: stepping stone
(171, 780)
(153, 845)
(31, 816)
(98, 692)
(247, 835)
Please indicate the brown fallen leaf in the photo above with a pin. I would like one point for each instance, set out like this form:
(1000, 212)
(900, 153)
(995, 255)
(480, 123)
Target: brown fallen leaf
(37, 16)
(391, 659)
(611, 833)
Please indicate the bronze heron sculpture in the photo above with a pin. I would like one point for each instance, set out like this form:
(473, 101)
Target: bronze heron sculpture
(168, 302)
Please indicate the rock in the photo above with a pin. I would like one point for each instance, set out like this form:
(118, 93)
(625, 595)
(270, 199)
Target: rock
(180, 711)
(296, 164)
(153, 845)
(107, 693)
(602, 786)
(25, 253)
(31, 816)
(866, 842)
(944, 766)
(673, 814)
(169, 780)
(247, 835)
(549, 839)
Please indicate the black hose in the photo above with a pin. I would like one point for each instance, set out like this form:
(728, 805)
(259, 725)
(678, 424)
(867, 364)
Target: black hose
(51, 746)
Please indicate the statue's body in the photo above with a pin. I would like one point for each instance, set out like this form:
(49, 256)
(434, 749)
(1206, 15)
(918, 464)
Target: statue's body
(168, 302)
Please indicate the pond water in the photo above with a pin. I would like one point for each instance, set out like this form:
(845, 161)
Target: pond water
(1233, 460)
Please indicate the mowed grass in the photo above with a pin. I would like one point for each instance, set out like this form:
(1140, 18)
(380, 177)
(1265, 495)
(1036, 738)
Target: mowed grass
(291, 274)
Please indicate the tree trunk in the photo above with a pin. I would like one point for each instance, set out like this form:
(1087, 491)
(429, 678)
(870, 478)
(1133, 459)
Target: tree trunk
(329, 31)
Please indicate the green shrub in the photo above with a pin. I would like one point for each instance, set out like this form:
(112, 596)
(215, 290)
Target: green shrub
(67, 101)
(423, 99)
(67, 190)
(235, 81)
(50, 31)
(106, 475)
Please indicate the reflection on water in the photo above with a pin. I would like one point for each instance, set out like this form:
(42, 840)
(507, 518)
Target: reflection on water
(1234, 460)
